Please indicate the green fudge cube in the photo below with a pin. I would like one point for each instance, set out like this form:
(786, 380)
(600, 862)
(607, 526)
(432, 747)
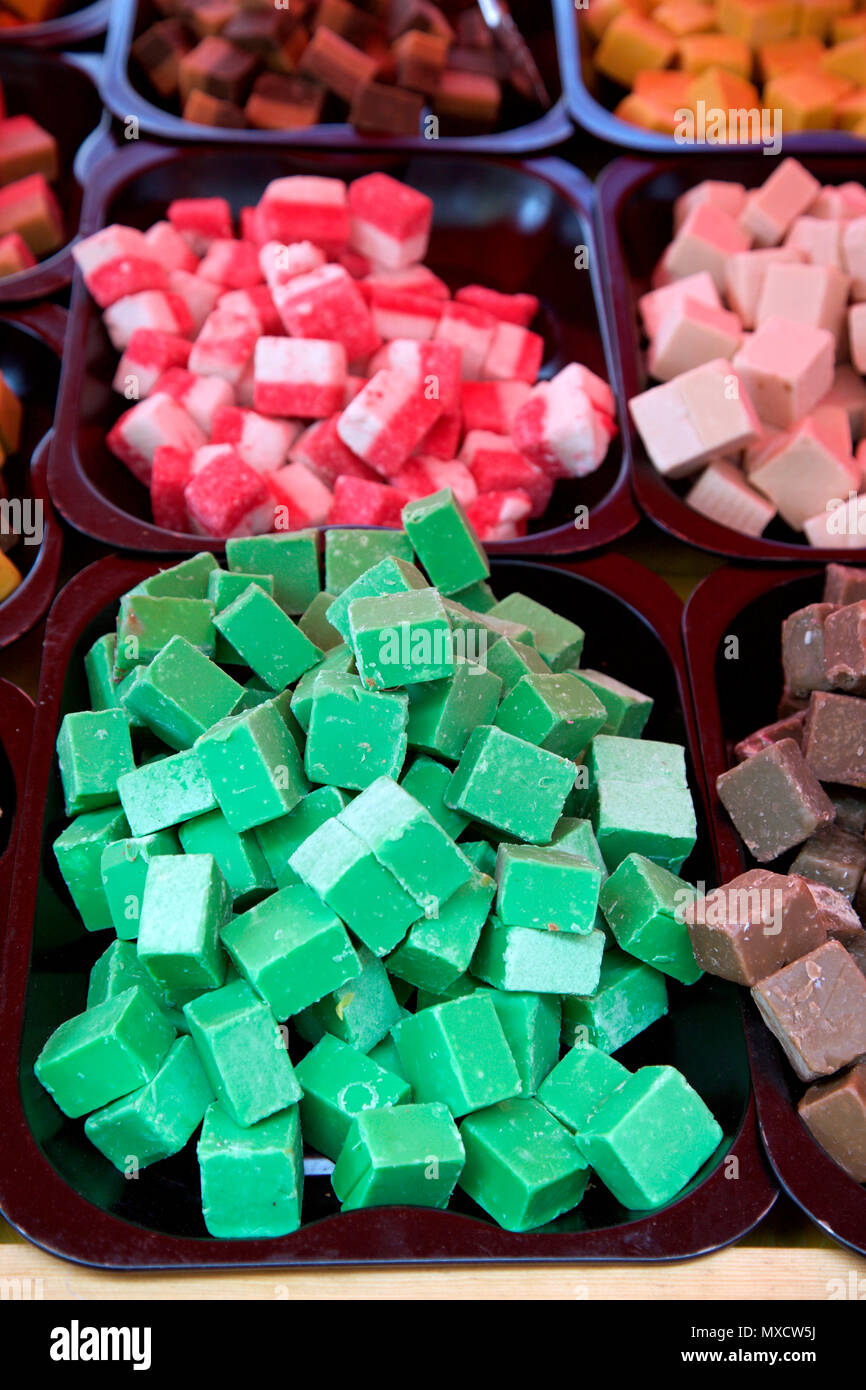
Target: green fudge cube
(272, 645)
(642, 762)
(99, 670)
(252, 1178)
(401, 1155)
(542, 962)
(457, 1053)
(650, 1138)
(292, 561)
(181, 694)
(156, 1121)
(443, 713)
(522, 1166)
(438, 950)
(117, 969)
(93, 750)
(186, 903)
(254, 767)
(555, 712)
(242, 1052)
(390, 576)
(427, 780)
(361, 1013)
(165, 792)
(339, 660)
(237, 854)
(355, 735)
(123, 869)
(549, 889)
(463, 985)
(78, 851)
(339, 1083)
(104, 1053)
(408, 842)
(279, 839)
(401, 639)
(223, 588)
(531, 1024)
(314, 623)
(291, 949)
(345, 873)
(628, 997)
(511, 661)
(479, 598)
(444, 542)
(476, 633)
(579, 1084)
(349, 553)
(482, 854)
(510, 785)
(627, 709)
(557, 639)
(388, 1058)
(658, 822)
(188, 579)
(146, 624)
(644, 906)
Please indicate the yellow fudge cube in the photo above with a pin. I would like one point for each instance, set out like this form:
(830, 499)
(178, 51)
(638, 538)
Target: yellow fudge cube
(847, 60)
(805, 99)
(701, 51)
(632, 43)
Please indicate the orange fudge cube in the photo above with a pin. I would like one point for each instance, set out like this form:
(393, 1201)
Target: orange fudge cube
(817, 16)
(757, 21)
(684, 17)
(847, 60)
(805, 99)
(803, 51)
(632, 43)
(702, 51)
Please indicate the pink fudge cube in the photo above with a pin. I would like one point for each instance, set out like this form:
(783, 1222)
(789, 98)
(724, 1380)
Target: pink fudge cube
(847, 200)
(300, 498)
(514, 354)
(715, 193)
(147, 356)
(170, 472)
(813, 294)
(854, 255)
(224, 346)
(199, 296)
(232, 264)
(305, 207)
(472, 331)
(723, 494)
(849, 392)
(804, 472)
(691, 333)
(819, 239)
(201, 221)
(493, 405)
(387, 421)
(279, 263)
(688, 421)
(262, 444)
(414, 279)
(301, 377)
(168, 247)
(358, 502)
(327, 304)
(771, 210)
(226, 498)
(786, 368)
(390, 222)
(322, 451)
(564, 427)
(118, 262)
(705, 241)
(139, 432)
(745, 274)
(200, 396)
(841, 525)
(509, 308)
(857, 336)
(499, 516)
(398, 313)
(496, 465)
(656, 303)
(154, 309)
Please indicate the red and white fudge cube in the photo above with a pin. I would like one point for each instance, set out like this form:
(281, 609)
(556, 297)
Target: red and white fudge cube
(153, 422)
(224, 346)
(422, 475)
(412, 279)
(498, 466)
(257, 305)
(280, 263)
(519, 309)
(398, 313)
(305, 207)
(200, 396)
(201, 221)
(321, 449)
(472, 331)
(435, 366)
(493, 405)
(443, 440)
(328, 304)
(200, 296)
(358, 502)
(148, 355)
(227, 498)
(118, 262)
(171, 470)
(499, 516)
(154, 309)
(301, 377)
(390, 222)
(567, 424)
(515, 354)
(387, 421)
(262, 443)
(232, 264)
(300, 498)
(168, 247)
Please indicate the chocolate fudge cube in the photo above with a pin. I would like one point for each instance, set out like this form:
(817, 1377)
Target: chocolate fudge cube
(803, 649)
(843, 584)
(835, 857)
(204, 109)
(791, 726)
(834, 1112)
(845, 648)
(749, 927)
(218, 68)
(816, 1008)
(279, 102)
(337, 64)
(159, 51)
(836, 915)
(775, 799)
(386, 110)
(835, 742)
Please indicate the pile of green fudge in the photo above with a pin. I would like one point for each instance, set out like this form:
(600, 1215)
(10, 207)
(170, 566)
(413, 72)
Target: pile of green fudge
(389, 827)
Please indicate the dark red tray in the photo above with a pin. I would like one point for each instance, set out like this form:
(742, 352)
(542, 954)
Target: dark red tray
(59, 91)
(513, 224)
(590, 99)
(81, 21)
(127, 93)
(732, 698)
(30, 346)
(64, 1197)
(635, 199)
(16, 728)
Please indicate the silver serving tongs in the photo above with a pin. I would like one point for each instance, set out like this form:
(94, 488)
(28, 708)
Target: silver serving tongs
(523, 71)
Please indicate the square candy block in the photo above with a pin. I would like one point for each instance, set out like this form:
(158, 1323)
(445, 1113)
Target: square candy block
(510, 784)
(186, 903)
(242, 1052)
(531, 1024)
(729, 197)
(401, 639)
(304, 377)
(399, 1155)
(78, 850)
(834, 1112)
(339, 1083)
(787, 369)
(816, 295)
(304, 207)
(237, 854)
(389, 221)
(580, 1084)
(627, 997)
(224, 497)
(201, 396)
(388, 419)
(802, 472)
(566, 424)
(272, 645)
(656, 304)
(750, 927)
(443, 713)
(557, 712)
(803, 650)
(161, 794)
(390, 575)
(360, 1013)
(816, 1009)
(159, 421)
(522, 1166)
(439, 949)
(291, 560)
(457, 1053)
(148, 355)
(835, 858)
(745, 274)
(158, 1120)
(224, 346)
(252, 1176)
(775, 800)
(530, 960)
(439, 531)
(123, 868)
(686, 422)
(645, 906)
(253, 766)
(834, 744)
(261, 444)
(492, 405)
(93, 750)
(279, 839)
(181, 694)
(117, 262)
(546, 888)
(771, 210)
(845, 647)
(328, 305)
(427, 780)
(857, 335)
(722, 493)
(691, 333)
(355, 734)
(366, 502)
(707, 238)
(557, 639)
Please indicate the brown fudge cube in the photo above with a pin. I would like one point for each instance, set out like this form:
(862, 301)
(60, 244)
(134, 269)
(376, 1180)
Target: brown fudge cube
(790, 727)
(337, 64)
(487, 60)
(775, 800)
(833, 856)
(417, 14)
(203, 109)
(215, 66)
(843, 584)
(159, 51)
(259, 31)
(209, 17)
(816, 1008)
(284, 103)
(25, 148)
(420, 60)
(285, 59)
(468, 97)
(845, 648)
(803, 649)
(347, 20)
(836, 916)
(834, 1112)
(789, 704)
(850, 808)
(29, 208)
(749, 927)
(385, 110)
(834, 745)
